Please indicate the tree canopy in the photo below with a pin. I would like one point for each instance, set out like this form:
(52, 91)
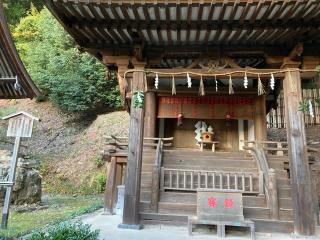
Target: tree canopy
(15, 10)
(75, 81)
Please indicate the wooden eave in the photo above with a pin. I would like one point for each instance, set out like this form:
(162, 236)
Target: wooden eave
(172, 23)
(12, 70)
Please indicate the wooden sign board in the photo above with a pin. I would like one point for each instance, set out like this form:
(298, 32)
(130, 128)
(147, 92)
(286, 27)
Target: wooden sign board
(20, 124)
(219, 205)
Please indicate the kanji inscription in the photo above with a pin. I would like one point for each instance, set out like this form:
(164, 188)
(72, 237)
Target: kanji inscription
(212, 202)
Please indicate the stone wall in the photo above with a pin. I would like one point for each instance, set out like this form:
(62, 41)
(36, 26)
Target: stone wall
(27, 188)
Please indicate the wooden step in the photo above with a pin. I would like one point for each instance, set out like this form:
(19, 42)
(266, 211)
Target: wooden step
(197, 152)
(145, 207)
(262, 225)
(191, 198)
(212, 163)
(286, 214)
(147, 167)
(276, 165)
(207, 157)
(284, 192)
(190, 209)
(211, 168)
(285, 203)
(270, 226)
(277, 157)
(281, 173)
(283, 182)
(145, 195)
(164, 217)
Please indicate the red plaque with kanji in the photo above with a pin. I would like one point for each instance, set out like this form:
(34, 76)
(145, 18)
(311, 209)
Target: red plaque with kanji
(219, 205)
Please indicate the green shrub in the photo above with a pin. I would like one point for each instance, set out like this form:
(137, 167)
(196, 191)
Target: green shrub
(101, 179)
(63, 231)
(99, 161)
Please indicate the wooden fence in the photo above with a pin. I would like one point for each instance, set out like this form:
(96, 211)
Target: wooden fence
(276, 118)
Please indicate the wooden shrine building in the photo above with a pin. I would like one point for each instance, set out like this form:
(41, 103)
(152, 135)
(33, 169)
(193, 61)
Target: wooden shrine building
(202, 75)
(14, 80)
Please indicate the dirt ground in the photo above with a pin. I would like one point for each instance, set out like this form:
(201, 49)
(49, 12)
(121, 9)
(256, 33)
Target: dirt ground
(67, 145)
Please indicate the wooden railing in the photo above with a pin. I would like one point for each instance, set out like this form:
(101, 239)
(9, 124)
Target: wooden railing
(116, 156)
(121, 143)
(190, 180)
(270, 147)
(269, 176)
(156, 171)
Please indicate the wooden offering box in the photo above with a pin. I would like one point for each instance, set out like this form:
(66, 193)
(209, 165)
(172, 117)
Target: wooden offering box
(207, 137)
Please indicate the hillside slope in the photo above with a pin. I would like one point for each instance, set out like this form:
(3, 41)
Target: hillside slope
(67, 146)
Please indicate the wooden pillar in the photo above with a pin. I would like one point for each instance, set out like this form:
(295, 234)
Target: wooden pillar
(260, 121)
(150, 115)
(299, 168)
(133, 175)
(109, 196)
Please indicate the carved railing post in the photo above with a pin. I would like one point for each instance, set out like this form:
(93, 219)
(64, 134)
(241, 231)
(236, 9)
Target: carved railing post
(273, 195)
(156, 177)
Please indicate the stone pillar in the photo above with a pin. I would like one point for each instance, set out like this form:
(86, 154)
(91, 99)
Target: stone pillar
(304, 223)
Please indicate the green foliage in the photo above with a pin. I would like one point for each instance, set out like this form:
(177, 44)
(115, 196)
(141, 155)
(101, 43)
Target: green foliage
(138, 99)
(303, 106)
(101, 179)
(15, 10)
(75, 81)
(71, 231)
